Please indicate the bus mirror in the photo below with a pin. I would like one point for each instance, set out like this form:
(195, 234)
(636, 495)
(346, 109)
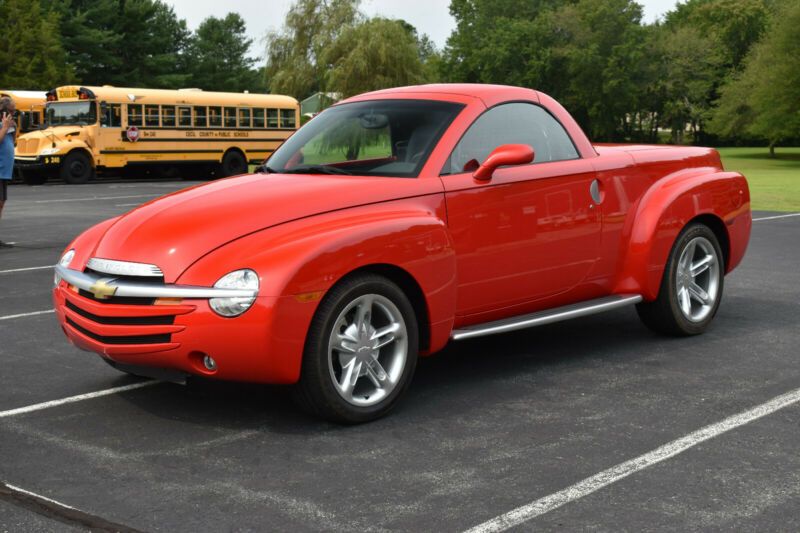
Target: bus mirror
(103, 114)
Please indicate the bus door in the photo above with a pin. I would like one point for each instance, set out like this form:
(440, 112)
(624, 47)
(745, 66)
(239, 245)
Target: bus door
(111, 135)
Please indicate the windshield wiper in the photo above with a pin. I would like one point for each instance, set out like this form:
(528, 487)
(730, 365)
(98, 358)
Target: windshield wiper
(266, 169)
(317, 169)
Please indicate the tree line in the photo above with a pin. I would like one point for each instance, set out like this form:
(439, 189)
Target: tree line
(126, 43)
(711, 72)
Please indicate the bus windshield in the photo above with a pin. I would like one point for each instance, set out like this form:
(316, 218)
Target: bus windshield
(71, 113)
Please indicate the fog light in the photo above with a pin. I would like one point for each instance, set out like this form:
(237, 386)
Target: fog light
(209, 363)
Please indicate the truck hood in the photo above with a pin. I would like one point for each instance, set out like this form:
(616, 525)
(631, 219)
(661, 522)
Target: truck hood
(176, 230)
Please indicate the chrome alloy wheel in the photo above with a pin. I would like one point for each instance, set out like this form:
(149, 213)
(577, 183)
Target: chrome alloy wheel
(697, 279)
(367, 350)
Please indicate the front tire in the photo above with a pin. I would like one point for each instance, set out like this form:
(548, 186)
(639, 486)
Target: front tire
(76, 169)
(691, 288)
(360, 353)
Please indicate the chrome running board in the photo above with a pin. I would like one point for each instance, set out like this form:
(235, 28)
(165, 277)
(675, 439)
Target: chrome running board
(547, 316)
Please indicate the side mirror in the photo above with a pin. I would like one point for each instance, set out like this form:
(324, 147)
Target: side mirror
(507, 154)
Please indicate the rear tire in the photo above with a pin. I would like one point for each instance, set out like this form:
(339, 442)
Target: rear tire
(233, 164)
(691, 288)
(76, 169)
(360, 353)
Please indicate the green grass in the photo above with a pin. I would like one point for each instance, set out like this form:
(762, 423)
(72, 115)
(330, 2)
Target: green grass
(774, 182)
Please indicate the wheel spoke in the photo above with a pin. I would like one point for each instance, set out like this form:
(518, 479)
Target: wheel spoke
(364, 314)
(701, 266)
(387, 335)
(350, 375)
(697, 292)
(376, 372)
(344, 343)
(685, 302)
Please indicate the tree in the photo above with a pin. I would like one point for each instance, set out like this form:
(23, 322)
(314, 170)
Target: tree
(375, 54)
(310, 28)
(586, 53)
(123, 43)
(217, 56)
(31, 54)
(733, 25)
(764, 101)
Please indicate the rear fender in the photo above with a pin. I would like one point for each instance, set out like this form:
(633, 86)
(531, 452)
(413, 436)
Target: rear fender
(722, 198)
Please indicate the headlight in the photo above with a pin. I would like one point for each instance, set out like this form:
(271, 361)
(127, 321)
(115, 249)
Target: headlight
(49, 151)
(239, 279)
(65, 260)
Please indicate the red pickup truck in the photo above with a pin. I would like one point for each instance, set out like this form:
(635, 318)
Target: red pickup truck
(391, 224)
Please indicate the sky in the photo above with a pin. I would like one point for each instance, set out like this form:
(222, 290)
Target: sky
(428, 16)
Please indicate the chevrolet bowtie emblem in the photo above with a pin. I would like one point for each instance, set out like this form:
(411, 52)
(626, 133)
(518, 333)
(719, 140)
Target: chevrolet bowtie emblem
(102, 290)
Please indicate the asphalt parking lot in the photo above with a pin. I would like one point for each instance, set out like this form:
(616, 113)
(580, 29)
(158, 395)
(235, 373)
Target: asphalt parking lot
(488, 425)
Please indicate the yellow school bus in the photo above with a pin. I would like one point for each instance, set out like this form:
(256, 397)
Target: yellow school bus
(186, 132)
(30, 106)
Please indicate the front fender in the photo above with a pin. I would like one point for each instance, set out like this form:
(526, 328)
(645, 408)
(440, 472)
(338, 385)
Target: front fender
(299, 261)
(666, 208)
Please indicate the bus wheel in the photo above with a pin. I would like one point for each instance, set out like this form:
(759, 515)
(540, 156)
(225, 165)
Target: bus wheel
(76, 168)
(233, 163)
(31, 177)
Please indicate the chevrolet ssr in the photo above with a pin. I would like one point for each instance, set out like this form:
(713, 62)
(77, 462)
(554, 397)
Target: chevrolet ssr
(391, 224)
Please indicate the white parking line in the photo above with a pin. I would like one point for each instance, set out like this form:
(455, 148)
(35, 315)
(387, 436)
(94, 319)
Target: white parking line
(777, 216)
(9, 317)
(615, 473)
(125, 205)
(24, 269)
(39, 496)
(78, 398)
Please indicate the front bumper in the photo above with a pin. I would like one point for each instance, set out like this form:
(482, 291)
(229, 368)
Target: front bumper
(44, 162)
(171, 327)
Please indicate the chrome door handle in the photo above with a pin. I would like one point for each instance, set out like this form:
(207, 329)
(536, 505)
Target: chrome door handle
(594, 191)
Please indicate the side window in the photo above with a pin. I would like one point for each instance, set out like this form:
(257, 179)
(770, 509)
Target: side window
(230, 117)
(184, 117)
(215, 117)
(516, 123)
(113, 116)
(134, 115)
(258, 117)
(244, 117)
(272, 118)
(199, 117)
(287, 119)
(168, 116)
(151, 116)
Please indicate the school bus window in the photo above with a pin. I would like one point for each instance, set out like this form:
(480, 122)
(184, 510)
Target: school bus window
(287, 118)
(151, 116)
(272, 118)
(258, 118)
(230, 117)
(215, 117)
(200, 117)
(113, 116)
(134, 115)
(168, 116)
(184, 117)
(244, 117)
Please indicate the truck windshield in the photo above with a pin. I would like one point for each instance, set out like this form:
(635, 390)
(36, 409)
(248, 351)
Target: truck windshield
(71, 113)
(370, 138)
